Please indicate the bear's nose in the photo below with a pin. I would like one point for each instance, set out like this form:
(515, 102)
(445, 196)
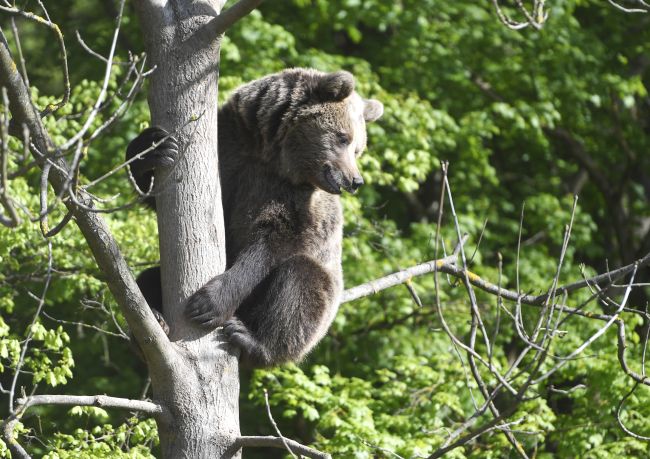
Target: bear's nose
(357, 182)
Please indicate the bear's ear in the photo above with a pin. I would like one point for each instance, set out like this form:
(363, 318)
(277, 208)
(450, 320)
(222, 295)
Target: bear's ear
(334, 87)
(372, 109)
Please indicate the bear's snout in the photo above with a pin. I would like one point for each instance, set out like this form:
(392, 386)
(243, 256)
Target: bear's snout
(356, 183)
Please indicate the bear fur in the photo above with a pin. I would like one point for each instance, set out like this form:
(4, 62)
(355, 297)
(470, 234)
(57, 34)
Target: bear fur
(288, 145)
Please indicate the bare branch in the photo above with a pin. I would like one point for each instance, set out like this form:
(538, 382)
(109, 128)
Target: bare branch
(12, 219)
(13, 11)
(487, 427)
(102, 93)
(19, 49)
(275, 426)
(447, 265)
(277, 442)
(553, 312)
(620, 421)
(25, 345)
(401, 277)
(233, 14)
(102, 401)
(645, 7)
(536, 17)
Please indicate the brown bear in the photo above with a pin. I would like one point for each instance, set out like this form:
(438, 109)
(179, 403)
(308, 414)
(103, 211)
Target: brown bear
(288, 145)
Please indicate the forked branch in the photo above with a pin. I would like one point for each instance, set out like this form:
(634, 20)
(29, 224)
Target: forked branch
(448, 265)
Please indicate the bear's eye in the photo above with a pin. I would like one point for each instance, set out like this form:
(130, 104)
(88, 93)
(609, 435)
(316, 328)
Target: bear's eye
(343, 138)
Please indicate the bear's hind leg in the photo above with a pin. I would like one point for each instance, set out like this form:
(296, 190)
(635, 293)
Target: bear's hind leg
(286, 315)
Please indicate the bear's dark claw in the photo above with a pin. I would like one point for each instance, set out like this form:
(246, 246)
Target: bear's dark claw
(163, 155)
(203, 309)
(253, 352)
(239, 335)
(161, 320)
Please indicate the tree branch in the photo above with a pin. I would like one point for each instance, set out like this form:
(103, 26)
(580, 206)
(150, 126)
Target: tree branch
(277, 442)
(645, 7)
(275, 425)
(448, 265)
(401, 277)
(233, 14)
(103, 401)
(17, 451)
(64, 58)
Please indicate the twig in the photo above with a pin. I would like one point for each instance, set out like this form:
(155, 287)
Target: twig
(445, 265)
(594, 337)
(536, 19)
(620, 421)
(645, 9)
(19, 49)
(121, 335)
(102, 93)
(13, 11)
(25, 346)
(275, 426)
(277, 442)
(476, 323)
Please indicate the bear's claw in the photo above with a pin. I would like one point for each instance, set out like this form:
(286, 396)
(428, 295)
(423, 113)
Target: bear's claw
(202, 309)
(163, 155)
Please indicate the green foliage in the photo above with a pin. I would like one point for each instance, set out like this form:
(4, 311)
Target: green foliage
(131, 440)
(514, 113)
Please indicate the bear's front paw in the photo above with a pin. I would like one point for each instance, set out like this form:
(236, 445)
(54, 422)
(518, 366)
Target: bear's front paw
(204, 309)
(162, 147)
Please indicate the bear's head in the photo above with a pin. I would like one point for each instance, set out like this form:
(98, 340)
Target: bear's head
(327, 134)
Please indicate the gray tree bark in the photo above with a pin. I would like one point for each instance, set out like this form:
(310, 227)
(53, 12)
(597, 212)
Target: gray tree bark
(200, 386)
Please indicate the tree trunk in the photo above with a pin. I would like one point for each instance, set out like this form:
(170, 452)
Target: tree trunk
(199, 388)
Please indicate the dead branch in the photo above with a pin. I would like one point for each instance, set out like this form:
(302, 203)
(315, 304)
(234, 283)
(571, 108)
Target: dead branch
(535, 17)
(401, 277)
(521, 383)
(447, 265)
(275, 425)
(277, 442)
(14, 11)
(101, 401)
(639, 6)
(11, 220)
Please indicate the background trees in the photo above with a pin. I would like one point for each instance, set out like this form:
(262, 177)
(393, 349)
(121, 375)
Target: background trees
(531, 116)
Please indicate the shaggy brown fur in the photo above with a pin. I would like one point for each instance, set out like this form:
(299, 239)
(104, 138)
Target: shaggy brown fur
(287, 146)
